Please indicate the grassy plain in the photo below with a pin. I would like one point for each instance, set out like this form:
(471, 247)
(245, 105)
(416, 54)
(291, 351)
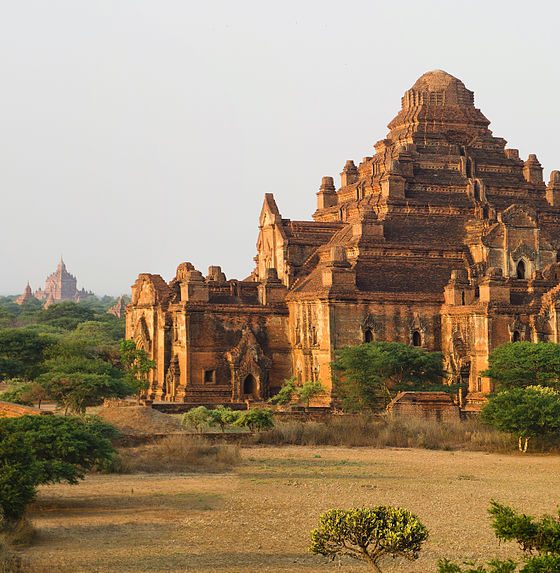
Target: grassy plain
(258, 517)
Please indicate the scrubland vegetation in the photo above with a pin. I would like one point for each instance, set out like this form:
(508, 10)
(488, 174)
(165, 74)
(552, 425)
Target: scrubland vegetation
(74, 355)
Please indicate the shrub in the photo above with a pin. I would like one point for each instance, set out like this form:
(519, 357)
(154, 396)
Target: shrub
(222, 417)
(538, 539)
(256, 420)
(526, 412)
(37, 450)
(196, 419)
(369, 534)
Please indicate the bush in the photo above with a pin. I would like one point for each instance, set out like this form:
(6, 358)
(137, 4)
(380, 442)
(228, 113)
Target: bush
(369, 534)
(256, 420)
(37, 450)
(196, 419)
(181, 453)
(538, 539)
(526, 412)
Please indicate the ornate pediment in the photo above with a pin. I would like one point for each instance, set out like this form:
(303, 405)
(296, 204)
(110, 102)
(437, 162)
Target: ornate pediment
(523, 250)
(142, 335)
(519, 216)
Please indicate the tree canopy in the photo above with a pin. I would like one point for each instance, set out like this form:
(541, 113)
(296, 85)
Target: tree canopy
(37, 450)
(526, 412)
(522, 364)
(369, 375)
(369, 534)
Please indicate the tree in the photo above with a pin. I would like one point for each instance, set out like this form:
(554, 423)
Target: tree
(526, 412)
(22, 352)
(310, 390)
(26, 393)
(256, 420)
(222, 417)
(369, 375)
(286, 393)
(538, 539)
(66, 315)
(37, 450)
(196, 419)
(137, 365)
(76, 382)
(522, 364)
(369, 534)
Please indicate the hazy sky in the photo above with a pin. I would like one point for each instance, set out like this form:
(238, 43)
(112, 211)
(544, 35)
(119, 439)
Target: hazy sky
(137, 134)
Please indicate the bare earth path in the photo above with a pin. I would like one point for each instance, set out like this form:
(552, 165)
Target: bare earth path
(258, 518)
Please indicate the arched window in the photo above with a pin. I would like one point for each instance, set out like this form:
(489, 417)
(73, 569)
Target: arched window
(469, 168)
(463, 298)
(476, 292)
(368, 335)
(521, 270)
(485, 212)
(416, 338)
(516, 336)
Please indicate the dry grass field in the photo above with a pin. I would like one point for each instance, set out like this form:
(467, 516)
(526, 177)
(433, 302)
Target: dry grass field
(257, 518)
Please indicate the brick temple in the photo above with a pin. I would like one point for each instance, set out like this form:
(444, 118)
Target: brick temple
(59, 286)
(443, 239)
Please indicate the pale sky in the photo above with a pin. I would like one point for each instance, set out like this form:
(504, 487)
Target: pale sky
(137, 134)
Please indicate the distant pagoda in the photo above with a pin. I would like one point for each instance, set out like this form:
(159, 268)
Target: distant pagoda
(59, 286)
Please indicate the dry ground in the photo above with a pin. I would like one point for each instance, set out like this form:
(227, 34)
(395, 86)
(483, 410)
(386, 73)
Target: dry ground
(258, 518)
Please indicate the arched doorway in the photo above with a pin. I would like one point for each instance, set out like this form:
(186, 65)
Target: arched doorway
(516, 336)
(368, 336)
(520, 270)
(416, 338)
(250, 387)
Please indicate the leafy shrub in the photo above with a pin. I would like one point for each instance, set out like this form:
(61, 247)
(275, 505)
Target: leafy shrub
(538, 539)
(37, 450)
(256, 420)
(526, 412)
(196, 419)
(369, 534)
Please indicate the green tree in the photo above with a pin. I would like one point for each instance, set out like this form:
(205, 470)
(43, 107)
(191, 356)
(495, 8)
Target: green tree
(198, 418)
(66, 315)
(256, 420)
(369, 375)
(37, 450)
(526, 412)
(26, 393)
(539, 539)
(137, 366)
(76, 382)
(310, 390)
(22, 353)
(369, 534)
(222, 417)
(286, 394)
(522, 364)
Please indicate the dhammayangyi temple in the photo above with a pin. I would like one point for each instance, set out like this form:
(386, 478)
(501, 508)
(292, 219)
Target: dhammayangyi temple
(444, 238)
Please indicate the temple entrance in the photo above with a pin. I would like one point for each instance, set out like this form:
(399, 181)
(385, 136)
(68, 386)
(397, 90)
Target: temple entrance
(516, 337)
(368, 336)
(250, 387)
(416, 338)
(520, 270)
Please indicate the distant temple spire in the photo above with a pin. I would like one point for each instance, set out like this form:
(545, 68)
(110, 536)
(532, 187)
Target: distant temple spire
(60, 286)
